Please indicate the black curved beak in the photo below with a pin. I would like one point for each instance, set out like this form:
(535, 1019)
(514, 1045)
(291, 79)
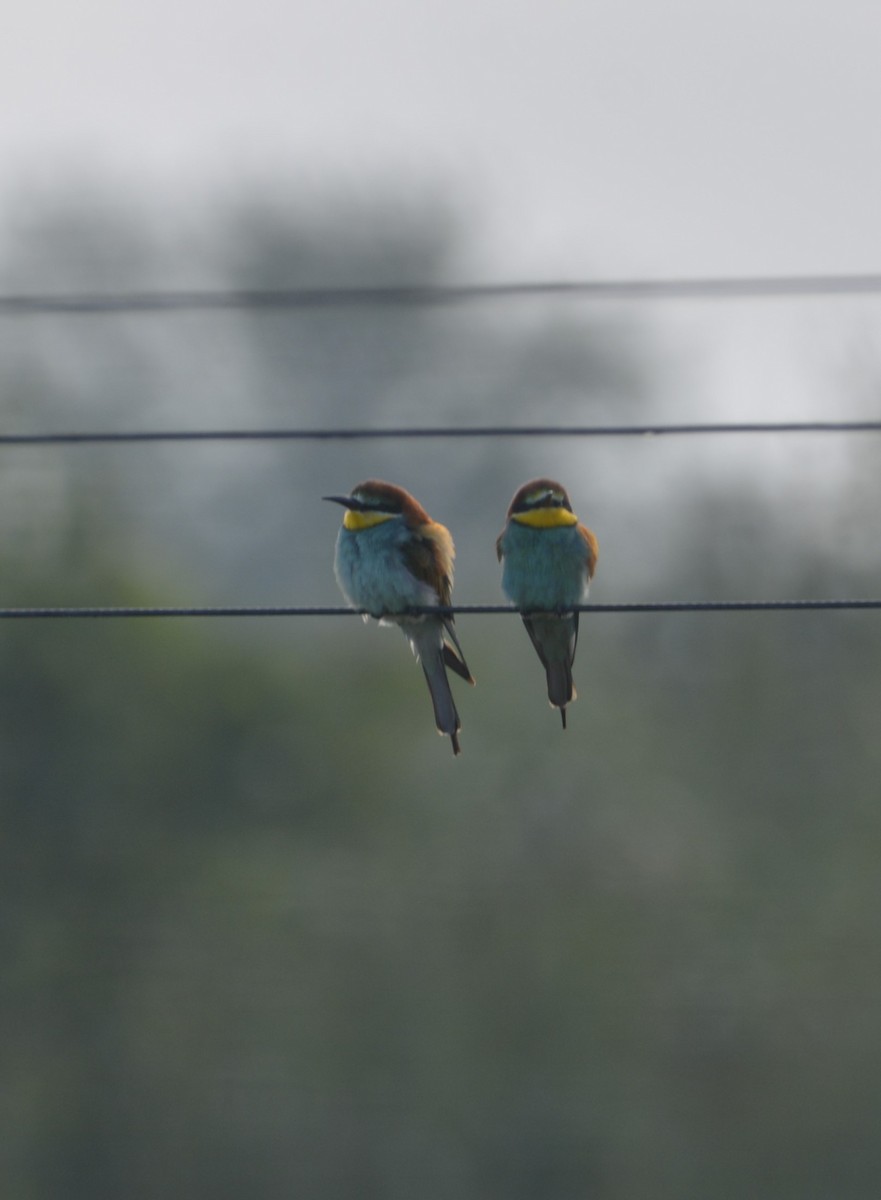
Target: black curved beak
(346, 501)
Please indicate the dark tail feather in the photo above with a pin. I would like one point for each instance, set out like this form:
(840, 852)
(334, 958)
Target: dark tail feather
(432, 657)
(454, 658)
(457, 664)
(560, 686)
(554, 639)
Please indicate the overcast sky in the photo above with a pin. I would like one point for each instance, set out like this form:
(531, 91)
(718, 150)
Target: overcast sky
(658, 136)
(588, 137)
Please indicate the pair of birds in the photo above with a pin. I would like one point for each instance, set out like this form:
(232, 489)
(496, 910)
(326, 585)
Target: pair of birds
(392, 557)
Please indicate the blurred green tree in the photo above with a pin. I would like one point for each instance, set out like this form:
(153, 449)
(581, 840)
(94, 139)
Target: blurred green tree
(263, 935)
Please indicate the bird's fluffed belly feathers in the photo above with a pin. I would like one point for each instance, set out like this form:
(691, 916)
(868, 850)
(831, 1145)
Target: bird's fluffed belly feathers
(544, 568)
(372, 574)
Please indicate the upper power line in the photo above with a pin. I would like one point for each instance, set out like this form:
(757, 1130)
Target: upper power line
(222, 299)
(452, 431)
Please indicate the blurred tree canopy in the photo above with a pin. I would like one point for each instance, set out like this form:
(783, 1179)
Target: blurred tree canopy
(262, 935)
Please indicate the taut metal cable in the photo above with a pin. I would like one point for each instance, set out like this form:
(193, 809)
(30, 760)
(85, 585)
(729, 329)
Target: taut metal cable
(654, 606)
(265, 299)
(413, 432)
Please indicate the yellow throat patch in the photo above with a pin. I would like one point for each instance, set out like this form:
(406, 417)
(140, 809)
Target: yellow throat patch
(545, 518)
(364, 520)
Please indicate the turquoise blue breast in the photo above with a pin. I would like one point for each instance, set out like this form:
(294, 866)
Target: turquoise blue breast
(544, 568)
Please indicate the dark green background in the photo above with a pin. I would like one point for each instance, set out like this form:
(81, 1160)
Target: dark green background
(262, 934)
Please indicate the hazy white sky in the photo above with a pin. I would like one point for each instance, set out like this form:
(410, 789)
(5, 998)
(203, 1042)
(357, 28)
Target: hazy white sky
(587, 137)
(653, 136)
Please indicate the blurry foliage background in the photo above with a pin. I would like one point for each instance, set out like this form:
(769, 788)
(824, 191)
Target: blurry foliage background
(262, 935)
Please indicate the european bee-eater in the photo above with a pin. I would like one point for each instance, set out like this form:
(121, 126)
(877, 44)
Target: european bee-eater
(549, 561)
(390, 557)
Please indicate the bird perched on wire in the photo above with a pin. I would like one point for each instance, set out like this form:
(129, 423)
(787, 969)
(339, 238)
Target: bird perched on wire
(549, 560)
(391, 557)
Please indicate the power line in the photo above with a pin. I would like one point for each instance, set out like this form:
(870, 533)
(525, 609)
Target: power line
(423, 295)
(413, 432)
(655, 606)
